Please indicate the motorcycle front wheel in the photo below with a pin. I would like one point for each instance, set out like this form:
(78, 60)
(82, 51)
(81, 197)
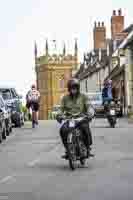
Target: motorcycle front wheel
(71, 152)
(112, 123)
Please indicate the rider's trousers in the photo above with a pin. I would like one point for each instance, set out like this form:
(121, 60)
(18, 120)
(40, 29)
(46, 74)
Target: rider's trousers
(85, 129)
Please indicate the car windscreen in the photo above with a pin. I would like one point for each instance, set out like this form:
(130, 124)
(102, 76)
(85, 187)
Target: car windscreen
(95, 97)
(56, 108)
(5, 94)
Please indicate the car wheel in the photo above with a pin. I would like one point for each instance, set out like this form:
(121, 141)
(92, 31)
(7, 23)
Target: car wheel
(1, 138)
(18, 123)
(4, 133)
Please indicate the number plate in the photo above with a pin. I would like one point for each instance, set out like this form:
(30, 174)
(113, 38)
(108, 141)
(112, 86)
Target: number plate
(112, 112)
(72, 124)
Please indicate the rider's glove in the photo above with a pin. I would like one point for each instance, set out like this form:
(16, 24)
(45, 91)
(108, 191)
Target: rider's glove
(59, 118)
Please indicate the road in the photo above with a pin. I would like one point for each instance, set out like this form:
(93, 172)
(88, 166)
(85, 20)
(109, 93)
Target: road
(31, 167)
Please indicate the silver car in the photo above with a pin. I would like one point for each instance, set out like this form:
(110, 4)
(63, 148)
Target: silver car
(96, 101)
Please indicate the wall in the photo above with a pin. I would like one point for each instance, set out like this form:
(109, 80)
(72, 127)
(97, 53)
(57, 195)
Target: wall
(94, 82)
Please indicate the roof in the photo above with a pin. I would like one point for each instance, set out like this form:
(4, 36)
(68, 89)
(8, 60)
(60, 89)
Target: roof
(125, 43)
(115, 72)
(6, 87)
(128, 29)
(93, 67)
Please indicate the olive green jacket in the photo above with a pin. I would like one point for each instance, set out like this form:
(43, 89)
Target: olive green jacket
(79, 104)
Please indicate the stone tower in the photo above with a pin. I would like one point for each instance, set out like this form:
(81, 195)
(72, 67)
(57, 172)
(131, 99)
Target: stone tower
(99, 34)
(53, 72)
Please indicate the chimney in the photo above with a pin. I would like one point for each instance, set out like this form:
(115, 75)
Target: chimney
(99, 36)
(117, 24)
(119, 12)
(114, 12)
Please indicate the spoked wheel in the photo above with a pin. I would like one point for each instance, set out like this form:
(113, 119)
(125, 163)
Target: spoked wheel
(1, 138)
(72, 156)
(71, 153)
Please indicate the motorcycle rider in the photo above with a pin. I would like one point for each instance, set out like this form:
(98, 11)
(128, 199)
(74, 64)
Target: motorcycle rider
(107, 93)
(72, 103)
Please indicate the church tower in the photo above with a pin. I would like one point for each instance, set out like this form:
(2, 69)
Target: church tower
(53, 72)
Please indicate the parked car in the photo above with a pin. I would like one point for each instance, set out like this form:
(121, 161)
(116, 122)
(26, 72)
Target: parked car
(13, 100)
(96, 100)
(7, 115)
(2, 123)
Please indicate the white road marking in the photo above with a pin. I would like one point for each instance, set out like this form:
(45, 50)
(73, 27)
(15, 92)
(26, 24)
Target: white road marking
(37, 160)
(33, 162)
(5, 179)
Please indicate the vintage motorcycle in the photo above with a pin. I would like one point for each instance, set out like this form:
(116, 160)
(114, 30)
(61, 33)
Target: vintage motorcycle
(76, 148)
(111, 113)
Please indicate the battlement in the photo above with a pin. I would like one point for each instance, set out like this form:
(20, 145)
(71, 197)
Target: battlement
(56, 59)
(64, 58)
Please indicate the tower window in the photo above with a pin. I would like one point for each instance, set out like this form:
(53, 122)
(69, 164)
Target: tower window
(61, 83)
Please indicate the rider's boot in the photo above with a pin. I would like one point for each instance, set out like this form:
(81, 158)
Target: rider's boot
(36, 122)
(89, 154)
(65, 156)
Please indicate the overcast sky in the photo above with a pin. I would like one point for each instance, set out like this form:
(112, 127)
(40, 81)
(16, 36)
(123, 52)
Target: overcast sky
(24, 21)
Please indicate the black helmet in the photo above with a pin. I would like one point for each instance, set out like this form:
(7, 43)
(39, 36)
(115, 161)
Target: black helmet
(73, 83)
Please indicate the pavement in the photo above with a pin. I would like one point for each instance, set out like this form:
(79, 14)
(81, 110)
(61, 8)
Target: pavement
(31, 167)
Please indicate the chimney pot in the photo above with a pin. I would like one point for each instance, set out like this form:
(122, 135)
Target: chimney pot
(102, 23)
(98, 23)
(114, 12)
(119, 12)
(95, 24)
